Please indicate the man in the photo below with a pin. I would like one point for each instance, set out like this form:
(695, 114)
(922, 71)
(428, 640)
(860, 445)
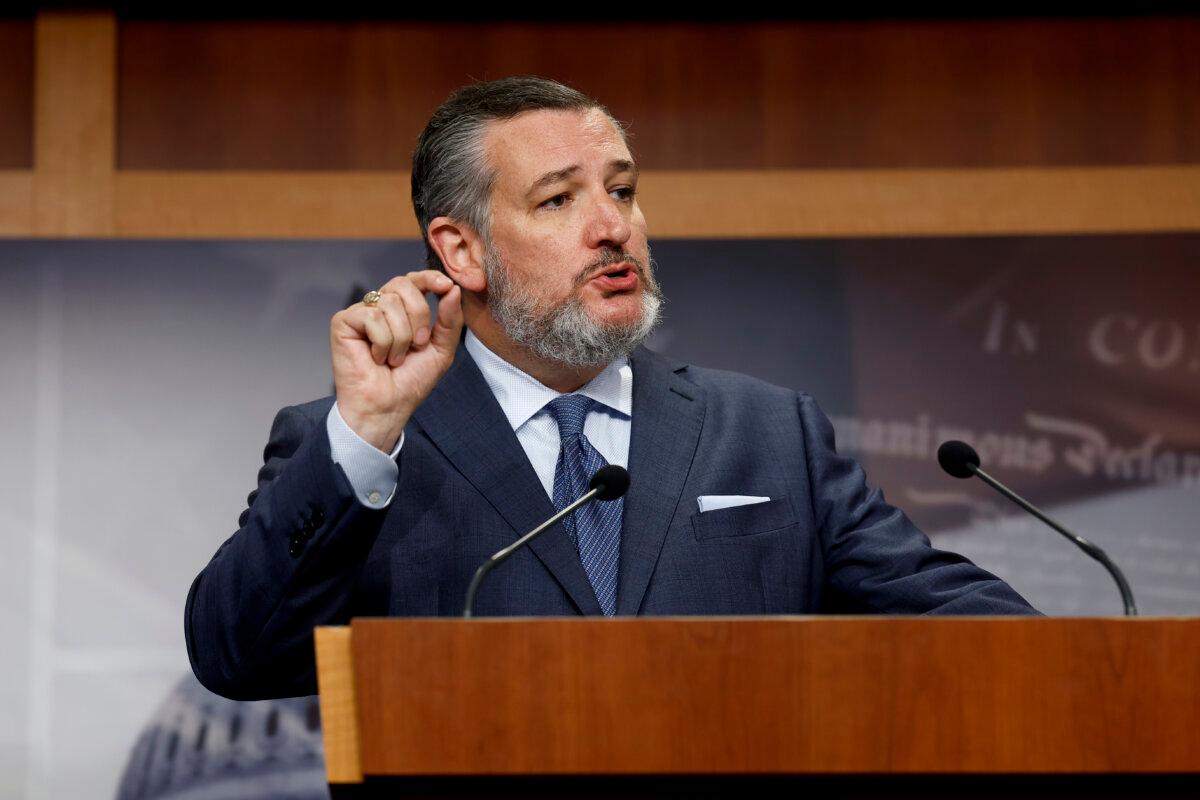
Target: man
(441, 449)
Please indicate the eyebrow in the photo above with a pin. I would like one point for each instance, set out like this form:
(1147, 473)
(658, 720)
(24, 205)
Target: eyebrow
(617, 165)
(552, 177)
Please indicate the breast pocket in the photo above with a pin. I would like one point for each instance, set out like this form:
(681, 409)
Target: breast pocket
(744, 520)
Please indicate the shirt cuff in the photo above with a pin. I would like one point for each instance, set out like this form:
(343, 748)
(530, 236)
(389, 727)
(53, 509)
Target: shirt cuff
(372, 473)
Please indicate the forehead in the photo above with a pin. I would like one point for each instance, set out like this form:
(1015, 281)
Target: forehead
(527, 146)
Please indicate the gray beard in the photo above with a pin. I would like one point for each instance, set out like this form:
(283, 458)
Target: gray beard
(565, 334)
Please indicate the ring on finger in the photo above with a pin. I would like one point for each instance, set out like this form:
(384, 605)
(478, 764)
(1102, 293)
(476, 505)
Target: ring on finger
(371, 298)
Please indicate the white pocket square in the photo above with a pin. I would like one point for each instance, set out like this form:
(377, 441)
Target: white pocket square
(712, 502)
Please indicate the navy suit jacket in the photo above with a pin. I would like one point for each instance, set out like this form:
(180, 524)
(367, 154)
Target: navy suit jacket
(307, 553)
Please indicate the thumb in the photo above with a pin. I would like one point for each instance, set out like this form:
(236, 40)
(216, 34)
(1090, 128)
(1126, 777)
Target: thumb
(448, 328)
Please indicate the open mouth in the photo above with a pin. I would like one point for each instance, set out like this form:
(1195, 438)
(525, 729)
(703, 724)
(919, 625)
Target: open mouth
(617, 270)
(617, 278)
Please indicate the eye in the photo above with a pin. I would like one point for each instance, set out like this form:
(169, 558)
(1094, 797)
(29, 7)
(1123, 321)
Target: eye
(623, 193)
(558, 201)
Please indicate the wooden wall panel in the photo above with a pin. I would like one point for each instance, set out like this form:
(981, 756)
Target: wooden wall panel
(343, 94)
(16, 93)
(691, 203)
(907, 94)
(74, 124)
(16, 203)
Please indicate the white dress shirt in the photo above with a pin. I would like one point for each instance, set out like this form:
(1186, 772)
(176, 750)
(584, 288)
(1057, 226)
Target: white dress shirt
(373, 473)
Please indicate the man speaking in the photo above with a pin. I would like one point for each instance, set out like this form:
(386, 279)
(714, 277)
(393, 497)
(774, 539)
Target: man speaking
(441, 449)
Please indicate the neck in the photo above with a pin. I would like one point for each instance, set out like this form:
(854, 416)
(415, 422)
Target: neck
(559, 377)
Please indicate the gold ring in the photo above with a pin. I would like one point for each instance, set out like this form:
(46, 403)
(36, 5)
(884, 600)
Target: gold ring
(371, 298)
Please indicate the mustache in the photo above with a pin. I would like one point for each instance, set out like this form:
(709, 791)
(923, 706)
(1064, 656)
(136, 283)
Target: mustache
(607, 259)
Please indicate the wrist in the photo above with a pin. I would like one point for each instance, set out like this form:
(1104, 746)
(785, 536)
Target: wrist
(381, 431)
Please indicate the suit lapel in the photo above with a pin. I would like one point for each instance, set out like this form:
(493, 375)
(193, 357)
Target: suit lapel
(464, 421)
(668, 413)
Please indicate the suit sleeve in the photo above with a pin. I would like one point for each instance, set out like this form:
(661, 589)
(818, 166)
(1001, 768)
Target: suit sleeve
(876, 559)
(292, 564)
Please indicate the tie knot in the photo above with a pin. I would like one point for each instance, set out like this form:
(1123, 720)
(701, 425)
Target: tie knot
(569, 411)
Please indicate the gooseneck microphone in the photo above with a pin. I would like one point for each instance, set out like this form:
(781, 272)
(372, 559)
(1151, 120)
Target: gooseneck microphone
(609, 483)
(960, 460)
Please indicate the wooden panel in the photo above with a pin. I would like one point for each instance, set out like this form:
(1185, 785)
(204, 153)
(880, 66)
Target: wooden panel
(74, 124)
(251, 204)
(693, 204)
(345, 95)
(922, 202)
(817, 695)
(339, 716)
(16, 94)
(16, 203)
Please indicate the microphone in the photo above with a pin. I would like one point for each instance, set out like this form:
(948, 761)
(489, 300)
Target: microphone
(960, 460)
(609, 483)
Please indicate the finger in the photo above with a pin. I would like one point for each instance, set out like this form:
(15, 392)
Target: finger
(417, 309)
(426, 280)
(448, 328)
(378, 332)
(350, 325)
(396, 316)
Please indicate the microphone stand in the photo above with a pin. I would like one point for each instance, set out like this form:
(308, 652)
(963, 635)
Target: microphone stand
(502, 556)
(1083, 544)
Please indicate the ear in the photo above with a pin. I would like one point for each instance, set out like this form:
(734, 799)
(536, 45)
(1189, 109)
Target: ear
(461, 250)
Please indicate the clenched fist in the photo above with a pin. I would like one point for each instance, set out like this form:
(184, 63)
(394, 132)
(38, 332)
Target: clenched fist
(388, 357)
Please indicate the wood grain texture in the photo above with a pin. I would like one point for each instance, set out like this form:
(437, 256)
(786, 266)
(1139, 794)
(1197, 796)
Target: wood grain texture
(339, 716)
(692, 204)
(74, 117)
(16, 94)
(815, 695)
(966, 202)
(699, 104)
(881, 94)
(16, 203)
(300, 205)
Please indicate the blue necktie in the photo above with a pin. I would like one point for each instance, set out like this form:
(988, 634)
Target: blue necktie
(596, 527)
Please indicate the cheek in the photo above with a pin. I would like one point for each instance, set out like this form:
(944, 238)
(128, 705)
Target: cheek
(546, 267)
(637, 235)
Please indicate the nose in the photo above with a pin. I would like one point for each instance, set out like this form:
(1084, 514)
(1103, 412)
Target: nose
(609, 224)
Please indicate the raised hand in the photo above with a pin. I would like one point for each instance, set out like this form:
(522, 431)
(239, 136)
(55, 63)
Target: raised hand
(388, 357)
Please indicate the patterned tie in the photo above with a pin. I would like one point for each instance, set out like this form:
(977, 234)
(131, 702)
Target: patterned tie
(596, 527)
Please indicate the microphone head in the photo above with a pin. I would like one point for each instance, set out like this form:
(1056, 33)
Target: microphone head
(611, 480)
(958, 458)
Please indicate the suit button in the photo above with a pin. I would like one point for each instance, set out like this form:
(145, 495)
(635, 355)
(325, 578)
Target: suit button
(295, 546)
(318, 518)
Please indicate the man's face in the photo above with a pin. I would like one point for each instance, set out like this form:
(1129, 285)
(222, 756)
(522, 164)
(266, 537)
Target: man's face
(569, 271)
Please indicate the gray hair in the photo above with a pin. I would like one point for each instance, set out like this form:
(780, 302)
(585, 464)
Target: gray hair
(451, 176)
(564, 333)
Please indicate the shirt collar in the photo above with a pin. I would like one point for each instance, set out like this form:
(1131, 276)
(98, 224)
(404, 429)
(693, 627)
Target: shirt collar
(521, 396)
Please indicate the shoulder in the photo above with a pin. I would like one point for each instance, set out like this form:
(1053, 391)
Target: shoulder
(718, 385)
(736, 385)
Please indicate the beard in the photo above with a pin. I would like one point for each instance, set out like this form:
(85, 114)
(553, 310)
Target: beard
(564, 333)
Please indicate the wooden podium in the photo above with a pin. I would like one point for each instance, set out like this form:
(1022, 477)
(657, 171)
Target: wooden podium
(713, 705)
